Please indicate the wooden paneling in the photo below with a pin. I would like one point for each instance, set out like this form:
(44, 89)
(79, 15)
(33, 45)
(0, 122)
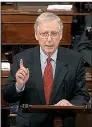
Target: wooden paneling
(28, 17)
(84, 120)
(19, 28)
(89, 84)
(23, 33)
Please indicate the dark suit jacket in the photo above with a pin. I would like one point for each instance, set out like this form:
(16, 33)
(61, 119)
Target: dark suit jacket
(69, 83)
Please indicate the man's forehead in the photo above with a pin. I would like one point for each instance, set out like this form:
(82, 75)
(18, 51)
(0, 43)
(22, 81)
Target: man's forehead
(47, 21)
(49, 25)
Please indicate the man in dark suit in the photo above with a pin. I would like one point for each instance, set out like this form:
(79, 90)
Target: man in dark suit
(27, 79)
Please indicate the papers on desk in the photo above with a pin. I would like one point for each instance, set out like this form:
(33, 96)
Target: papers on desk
(5, 66)
(60, 7)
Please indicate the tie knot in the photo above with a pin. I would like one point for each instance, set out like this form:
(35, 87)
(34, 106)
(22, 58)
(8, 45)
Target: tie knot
(48, 60)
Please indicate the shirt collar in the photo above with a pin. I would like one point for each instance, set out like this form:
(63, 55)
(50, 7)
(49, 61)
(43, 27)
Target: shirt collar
(44, 56)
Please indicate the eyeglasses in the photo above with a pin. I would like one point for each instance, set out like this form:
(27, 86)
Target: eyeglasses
(52, 34)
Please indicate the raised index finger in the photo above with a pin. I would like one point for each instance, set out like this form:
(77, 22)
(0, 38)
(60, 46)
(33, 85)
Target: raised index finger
(21, 63)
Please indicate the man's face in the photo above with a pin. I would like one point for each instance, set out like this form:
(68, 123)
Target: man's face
(48, 36)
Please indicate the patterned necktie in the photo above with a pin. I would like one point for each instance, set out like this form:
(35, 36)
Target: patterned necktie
(48, 80)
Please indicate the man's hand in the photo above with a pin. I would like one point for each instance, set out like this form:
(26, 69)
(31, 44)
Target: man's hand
(22, 75)
(63, 102)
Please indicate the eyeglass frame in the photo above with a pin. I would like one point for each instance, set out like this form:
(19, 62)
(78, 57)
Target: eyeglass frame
(45, 35)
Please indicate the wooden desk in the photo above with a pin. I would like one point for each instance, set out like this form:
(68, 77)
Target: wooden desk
(50, 108)
(54, 109)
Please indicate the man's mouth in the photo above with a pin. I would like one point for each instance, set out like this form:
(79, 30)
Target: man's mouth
(49, 46)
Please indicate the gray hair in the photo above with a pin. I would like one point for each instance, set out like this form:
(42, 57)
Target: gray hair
(48, 16)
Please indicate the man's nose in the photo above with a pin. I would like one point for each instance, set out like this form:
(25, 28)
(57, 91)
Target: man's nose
(49, 37)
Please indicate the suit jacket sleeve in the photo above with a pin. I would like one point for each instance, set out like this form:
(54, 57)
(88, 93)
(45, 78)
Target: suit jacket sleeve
(10, 93)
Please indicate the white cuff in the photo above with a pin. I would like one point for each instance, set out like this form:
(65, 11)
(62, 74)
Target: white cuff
(20, 90)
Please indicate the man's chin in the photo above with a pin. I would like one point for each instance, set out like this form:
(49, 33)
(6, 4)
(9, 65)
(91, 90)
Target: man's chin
(49, 48)
(49, 52)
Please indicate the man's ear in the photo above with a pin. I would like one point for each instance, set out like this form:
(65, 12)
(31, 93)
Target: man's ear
(36, 36)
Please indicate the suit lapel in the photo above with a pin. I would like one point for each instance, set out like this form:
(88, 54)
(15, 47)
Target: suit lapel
(37, 74)
(60, 73)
